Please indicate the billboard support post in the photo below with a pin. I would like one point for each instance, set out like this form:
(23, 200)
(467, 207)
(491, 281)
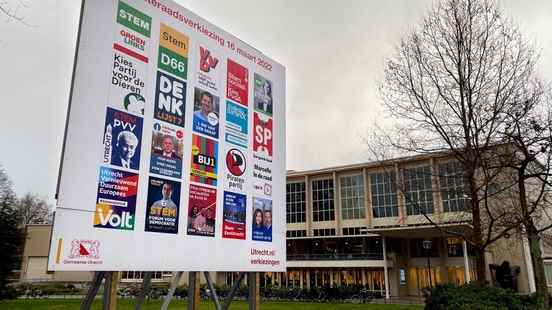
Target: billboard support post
(193, 290)
(110, 290)
(233, 291)
(172, 289)
(146, 284)
(254, 295)
(213, 293)
(92, 290)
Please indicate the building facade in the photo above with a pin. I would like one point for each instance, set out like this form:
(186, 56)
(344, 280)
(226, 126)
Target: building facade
(365, 224)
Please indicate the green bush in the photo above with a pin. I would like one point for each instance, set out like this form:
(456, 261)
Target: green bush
(469, 296)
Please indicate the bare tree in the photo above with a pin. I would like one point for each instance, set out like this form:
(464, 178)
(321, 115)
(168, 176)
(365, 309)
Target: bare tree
(34, 210)
(529, 132)
(450, 86)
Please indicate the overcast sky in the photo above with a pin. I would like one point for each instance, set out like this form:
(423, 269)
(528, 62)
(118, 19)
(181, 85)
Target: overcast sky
(333, 52)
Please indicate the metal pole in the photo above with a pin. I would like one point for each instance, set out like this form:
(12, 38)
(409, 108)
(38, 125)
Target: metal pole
(172, 289)
(233, 291)
(254, 296)
(146, 284)
(213, 294)
(93, 290)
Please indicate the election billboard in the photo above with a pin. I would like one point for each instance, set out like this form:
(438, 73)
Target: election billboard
(174, 151)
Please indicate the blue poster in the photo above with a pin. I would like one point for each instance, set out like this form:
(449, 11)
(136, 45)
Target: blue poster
(116, 199)
(163, 206)
(206, 113)
(166, 150)
(170, 99)
(262, 219)
(122, 137)
(233, 224)
(236, 124)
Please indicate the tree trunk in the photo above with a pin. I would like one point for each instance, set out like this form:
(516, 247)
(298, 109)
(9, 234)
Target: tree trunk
(480, 267)
(538, 267)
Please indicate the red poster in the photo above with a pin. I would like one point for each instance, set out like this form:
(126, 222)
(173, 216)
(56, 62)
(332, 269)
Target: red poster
(237, 82)
(262, 139)
(202, 208)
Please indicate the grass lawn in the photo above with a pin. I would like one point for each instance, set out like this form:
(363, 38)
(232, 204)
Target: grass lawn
(127, 304)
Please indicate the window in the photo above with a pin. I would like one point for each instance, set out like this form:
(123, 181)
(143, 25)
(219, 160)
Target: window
(296, 233)
(138, 275)
(384, 194)
(352, 197)
(453, 185)
(548, 272)
(324, 232)
(352, 231)
(418, 190)
(455, 247)
(296, 202)
(323, 200)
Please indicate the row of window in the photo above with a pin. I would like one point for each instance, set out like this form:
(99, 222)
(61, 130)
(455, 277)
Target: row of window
(296, 233)
(353, 231)
(324, 232)
(418, 193)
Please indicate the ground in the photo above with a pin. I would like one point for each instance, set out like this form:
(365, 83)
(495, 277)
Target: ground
(126, 304)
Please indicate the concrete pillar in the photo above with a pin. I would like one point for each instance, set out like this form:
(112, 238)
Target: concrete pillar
(363, 277)
(529, 265)
(385, 269)
(466, 261)
(331, 277)
(308, 279)
(301, 278)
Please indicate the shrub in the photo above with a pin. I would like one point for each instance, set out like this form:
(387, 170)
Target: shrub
(469, 296)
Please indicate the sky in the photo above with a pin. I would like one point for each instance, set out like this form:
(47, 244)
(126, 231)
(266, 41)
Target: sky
(333, 52)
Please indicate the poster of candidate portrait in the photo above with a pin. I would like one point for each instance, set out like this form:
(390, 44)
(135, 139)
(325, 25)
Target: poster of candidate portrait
(163, 205)
(204, 160)
(202, 211)
(262, 219)
(262, 97)
(233, 220)
(206, 113)
(122, 137)
(116, 199)
(166, 150)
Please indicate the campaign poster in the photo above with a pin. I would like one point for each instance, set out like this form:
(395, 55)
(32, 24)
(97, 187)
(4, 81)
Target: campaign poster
(262, 219)
(233, 220)
(209, 70)
(262, 136)
(166, 150)
(131, 43)
(237, 82)
(262, 178)
(262, 95)
(163, 206)
(170, 99)
(236, 124)
(128, 83)
(206, 113)
(116, 199)
(236, 165)
(202, 208)
(204, 160)
(173, 52)
(122, 137)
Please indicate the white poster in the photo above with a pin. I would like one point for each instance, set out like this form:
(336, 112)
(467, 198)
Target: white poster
(174, 156)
